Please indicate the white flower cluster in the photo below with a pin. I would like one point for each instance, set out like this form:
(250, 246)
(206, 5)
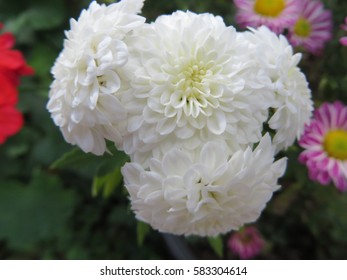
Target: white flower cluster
(193, 102)
(84, 97)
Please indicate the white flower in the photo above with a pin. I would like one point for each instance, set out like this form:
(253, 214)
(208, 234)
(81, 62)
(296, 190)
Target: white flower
(291, 96)
(205, 193)
(193, 81)
(88, 78)
(294, 109)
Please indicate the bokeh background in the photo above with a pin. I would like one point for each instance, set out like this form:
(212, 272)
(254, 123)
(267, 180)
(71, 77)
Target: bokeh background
(50, 211)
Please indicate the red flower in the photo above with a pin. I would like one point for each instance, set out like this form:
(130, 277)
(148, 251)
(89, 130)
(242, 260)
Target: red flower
(8, 93)
(12, 67)
(12, 61)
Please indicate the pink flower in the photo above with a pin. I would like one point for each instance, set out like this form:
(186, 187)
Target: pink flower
(247, 243)
(343, 40)
(325, 144)
(275, 14)
(313, 28)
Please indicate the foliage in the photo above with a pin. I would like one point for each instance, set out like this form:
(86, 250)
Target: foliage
(75, 207)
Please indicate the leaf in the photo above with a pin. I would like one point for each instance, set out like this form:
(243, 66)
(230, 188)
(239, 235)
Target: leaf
(143, 230)
(85, 164)
(107, 183)
(73, 158)
(33, 213)
(216, 244)
(40, 16)
(110, 162)
(89, 164)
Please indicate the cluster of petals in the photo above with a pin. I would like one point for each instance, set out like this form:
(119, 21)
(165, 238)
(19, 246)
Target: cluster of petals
(205, 193)
(84, 97)
(290, 98)
(215, 83)
(191, 87)
(325, 145)
(12, 67)
(247, 243)
(187, 98)
(192, 91)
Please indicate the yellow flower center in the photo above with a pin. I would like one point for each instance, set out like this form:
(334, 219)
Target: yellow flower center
(335, 144)
(269, 8)
(193, 84)
(194, 74)
(302, 27)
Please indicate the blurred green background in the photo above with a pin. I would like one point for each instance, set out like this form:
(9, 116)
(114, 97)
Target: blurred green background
(54, 213)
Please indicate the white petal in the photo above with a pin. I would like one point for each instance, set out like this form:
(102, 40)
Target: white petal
(176, 162)
(166, 126)
(213, 155)
(217, 122)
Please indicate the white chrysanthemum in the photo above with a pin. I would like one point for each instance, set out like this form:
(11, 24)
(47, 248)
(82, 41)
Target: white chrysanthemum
(84, 97)
(291, 98)
(205, 193)
(194, 81)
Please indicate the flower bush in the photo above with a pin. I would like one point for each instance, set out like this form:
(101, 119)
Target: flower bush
(192, 123)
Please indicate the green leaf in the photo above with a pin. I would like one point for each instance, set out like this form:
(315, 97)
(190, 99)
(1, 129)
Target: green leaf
(110, 162)
(216, 244)
(42, 16)
(73, 159)
(34, 213)
(76, 159)
(143, 230)
(90, 165)
(107, 183)
(85, 164)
